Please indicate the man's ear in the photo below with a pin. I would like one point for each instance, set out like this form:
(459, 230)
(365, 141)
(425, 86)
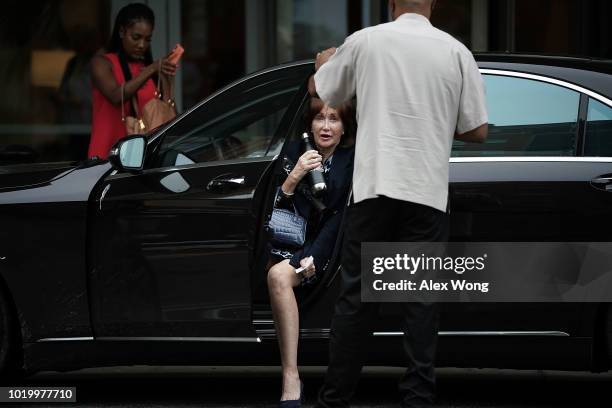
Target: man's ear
(121, 32)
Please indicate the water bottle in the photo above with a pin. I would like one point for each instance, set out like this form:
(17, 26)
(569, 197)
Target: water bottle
(315, 176)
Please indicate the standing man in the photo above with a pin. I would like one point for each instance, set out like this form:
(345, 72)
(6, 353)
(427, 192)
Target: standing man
(417, 88)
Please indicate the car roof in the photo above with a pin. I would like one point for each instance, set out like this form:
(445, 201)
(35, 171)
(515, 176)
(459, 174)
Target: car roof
(590, 64)
(585, 63)
(592, 74)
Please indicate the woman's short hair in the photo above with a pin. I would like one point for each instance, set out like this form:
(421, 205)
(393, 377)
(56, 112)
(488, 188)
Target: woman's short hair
(346, 111)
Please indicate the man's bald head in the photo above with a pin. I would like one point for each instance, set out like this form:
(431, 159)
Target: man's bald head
(414, 3)
(423, 7)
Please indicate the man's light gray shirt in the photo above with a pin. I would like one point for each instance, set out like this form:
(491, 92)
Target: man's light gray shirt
(416, 86)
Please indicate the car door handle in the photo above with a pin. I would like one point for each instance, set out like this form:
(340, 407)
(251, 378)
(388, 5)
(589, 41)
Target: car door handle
(602, 183)
(225, 182)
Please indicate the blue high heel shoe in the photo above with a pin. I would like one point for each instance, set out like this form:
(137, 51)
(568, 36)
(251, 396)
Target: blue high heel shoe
(294, 403)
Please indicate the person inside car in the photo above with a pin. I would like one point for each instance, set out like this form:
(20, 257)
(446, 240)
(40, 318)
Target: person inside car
(332, 131)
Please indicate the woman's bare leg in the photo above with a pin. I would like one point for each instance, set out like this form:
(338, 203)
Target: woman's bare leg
(281, 281)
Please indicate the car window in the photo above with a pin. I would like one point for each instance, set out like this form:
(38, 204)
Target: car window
(239, 123)
(526, 118)
(598, 141)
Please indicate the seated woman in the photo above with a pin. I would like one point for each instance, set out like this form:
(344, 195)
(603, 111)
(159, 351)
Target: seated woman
(333, 133)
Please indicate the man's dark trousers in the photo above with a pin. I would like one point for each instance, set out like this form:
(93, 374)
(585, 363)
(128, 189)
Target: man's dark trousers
(382, 219)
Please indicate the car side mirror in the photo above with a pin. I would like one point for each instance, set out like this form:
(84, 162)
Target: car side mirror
(128, 154)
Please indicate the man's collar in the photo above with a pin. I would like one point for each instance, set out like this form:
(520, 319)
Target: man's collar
(413, 17)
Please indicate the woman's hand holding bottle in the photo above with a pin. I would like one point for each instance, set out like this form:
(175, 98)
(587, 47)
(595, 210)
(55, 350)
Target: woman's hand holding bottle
(309, 160)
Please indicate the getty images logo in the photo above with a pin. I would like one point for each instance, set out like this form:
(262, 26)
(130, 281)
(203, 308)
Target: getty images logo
(413, 264)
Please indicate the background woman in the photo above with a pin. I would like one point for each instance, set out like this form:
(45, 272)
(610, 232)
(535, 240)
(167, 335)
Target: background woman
(330, 128)
(127, 60)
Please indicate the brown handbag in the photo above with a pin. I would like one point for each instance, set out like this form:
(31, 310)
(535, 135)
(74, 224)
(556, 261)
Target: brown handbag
(155, 113)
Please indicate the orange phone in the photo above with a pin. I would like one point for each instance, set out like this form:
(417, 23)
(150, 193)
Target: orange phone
(176, 54)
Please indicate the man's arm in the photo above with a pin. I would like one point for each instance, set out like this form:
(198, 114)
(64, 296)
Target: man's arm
(312, 87)
(478, 135)
(334, 81)
(321, 58)
(472, 121)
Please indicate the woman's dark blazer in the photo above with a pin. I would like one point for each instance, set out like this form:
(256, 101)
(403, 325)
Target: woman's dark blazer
(320, 243)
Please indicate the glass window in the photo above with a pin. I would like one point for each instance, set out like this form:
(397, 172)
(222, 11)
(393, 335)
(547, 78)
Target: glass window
(213, 33)
(239, 123)
(526, 118)
(317, 25)
(45, 50)
(550, 26)
(598, 140)
(304, 27)
(455, 17)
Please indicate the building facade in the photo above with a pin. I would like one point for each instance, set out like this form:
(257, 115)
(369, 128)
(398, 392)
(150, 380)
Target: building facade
(46, 46)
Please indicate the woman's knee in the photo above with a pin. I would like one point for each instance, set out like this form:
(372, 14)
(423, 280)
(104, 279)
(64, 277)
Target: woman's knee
(278, 277)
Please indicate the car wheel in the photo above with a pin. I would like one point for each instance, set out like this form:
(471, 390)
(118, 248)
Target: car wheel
(8, 339)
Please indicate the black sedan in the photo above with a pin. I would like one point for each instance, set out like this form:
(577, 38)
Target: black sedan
(158, 256)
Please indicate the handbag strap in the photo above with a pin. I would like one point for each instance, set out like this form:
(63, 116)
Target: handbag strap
(158, 92)
(133, 101)
(292, 203)
(157, 89)
(122, 103)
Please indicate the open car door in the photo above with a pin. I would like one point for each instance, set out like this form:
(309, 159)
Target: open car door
(169, 245)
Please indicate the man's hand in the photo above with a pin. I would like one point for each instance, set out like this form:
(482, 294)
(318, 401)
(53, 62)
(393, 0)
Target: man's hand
(323, 57)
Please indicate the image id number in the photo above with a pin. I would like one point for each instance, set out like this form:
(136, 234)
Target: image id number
(8, 394)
